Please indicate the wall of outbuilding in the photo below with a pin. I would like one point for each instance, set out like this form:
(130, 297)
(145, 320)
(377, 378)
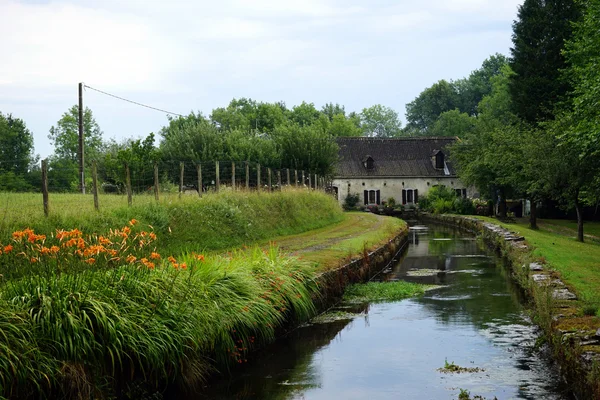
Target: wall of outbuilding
(392, 187)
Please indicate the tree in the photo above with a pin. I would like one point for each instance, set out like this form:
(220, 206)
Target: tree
(331, 110)
(453, 123)
(65, 135)
(16, 145)
(305, 114)
(423, 111)
(539, 34)
(342, 126)
(191, 138)
(380, 121)
(309, 148)
(63, 166)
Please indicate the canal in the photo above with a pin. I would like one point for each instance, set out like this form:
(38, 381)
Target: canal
(393, 350)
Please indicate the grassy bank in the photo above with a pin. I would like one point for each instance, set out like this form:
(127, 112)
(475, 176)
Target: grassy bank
(214, 222)
(86, 329)
(577, 263)
(332, 246)
(93, 303)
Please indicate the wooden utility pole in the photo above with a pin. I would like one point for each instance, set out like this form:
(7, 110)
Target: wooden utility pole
(80, 149)
(45, 187)
(95, 185)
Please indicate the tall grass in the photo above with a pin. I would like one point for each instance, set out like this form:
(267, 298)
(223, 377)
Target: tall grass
(159, 325)
(214, 222)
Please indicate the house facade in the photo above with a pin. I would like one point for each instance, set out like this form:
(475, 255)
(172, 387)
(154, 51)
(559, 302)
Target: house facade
(377, 169)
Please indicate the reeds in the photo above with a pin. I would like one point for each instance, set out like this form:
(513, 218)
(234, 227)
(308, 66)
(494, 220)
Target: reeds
(78, 325)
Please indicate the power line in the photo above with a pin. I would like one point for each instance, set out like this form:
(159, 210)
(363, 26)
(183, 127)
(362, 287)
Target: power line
(133, 102)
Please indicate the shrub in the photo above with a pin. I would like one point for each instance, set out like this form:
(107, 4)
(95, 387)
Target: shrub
(441, 200)
(351, 201)
(391, 202)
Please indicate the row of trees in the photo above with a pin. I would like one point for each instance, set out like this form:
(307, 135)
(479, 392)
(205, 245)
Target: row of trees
(246, 130)
(535, 134)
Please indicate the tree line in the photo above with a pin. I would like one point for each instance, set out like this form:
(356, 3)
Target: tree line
(534, 133)
(245, 130)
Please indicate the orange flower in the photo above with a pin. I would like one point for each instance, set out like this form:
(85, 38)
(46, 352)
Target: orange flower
(54, 249)
(104, 241)
(90, 261)
(200, 257)
(131, 259)
(34, 260)
(60, 234)
(45, 250)
(70, 243)
(18, 235)
(152, 236)
(133, 222)
(155, 256)
(183, 266)
(8, 248)
(126, 230)
(80, 243)
(172, 260)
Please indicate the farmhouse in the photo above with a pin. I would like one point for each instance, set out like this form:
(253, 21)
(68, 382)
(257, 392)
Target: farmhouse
(377, 169)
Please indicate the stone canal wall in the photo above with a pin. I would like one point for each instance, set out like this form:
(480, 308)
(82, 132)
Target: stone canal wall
(575, 346)
(358, 269)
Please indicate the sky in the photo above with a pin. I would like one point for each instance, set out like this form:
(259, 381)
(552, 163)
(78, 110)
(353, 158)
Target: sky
(184, 56)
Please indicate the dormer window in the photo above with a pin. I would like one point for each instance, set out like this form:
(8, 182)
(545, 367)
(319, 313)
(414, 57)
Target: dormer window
(368, 163)
(438, 159)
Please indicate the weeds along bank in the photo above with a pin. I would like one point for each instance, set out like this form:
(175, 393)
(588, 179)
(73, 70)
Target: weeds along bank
(188, 223)
(90, 304)
(548, 268)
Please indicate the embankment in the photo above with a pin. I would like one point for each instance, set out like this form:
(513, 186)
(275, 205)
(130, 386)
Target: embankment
(572, 336)
(123, 302)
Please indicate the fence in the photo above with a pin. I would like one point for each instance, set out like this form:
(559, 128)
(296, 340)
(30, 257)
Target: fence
(181, 177)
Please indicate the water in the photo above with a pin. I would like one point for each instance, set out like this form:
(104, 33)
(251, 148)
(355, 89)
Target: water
(393, 350)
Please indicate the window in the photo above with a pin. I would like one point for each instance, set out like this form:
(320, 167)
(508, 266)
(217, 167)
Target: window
(372, 197)
(461, 192)
(368, 162)
(410, 196)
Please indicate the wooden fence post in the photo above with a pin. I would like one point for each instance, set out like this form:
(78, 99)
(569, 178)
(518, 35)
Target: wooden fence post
(156, 188)
(296, 178)
(45, 187)
(287, 171)
(128, 184)
(247, 175)
(316, 182)
(279, 179)
(303, 179)
(181, 171)
(258, 184)
(232, 175)
(199, 174)
(95, 184)
(217, 177)
(270, 183)
(309, 181)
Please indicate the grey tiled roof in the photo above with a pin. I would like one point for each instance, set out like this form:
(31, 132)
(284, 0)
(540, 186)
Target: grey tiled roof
(402, 157)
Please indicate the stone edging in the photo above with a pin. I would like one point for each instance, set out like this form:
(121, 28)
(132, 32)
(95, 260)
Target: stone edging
(579, 367)
(333, 282)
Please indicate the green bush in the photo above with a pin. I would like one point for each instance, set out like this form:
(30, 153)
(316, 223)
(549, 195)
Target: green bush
(351, 201)
(443, 200)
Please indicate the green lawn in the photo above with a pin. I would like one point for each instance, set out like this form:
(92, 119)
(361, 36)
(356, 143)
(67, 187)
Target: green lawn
(578, 263)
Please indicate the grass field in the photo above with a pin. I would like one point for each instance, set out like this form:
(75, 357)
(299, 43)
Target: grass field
(577, 263)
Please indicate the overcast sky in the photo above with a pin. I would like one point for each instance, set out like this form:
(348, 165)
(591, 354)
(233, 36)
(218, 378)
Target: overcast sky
(197, 55)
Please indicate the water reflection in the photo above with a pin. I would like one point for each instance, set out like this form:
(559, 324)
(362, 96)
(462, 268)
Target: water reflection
(393, 350)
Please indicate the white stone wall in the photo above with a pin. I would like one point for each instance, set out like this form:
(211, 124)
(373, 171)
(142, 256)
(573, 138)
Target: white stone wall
(392, 187)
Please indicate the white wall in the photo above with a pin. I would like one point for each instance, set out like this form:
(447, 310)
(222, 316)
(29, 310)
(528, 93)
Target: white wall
(392, 187)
